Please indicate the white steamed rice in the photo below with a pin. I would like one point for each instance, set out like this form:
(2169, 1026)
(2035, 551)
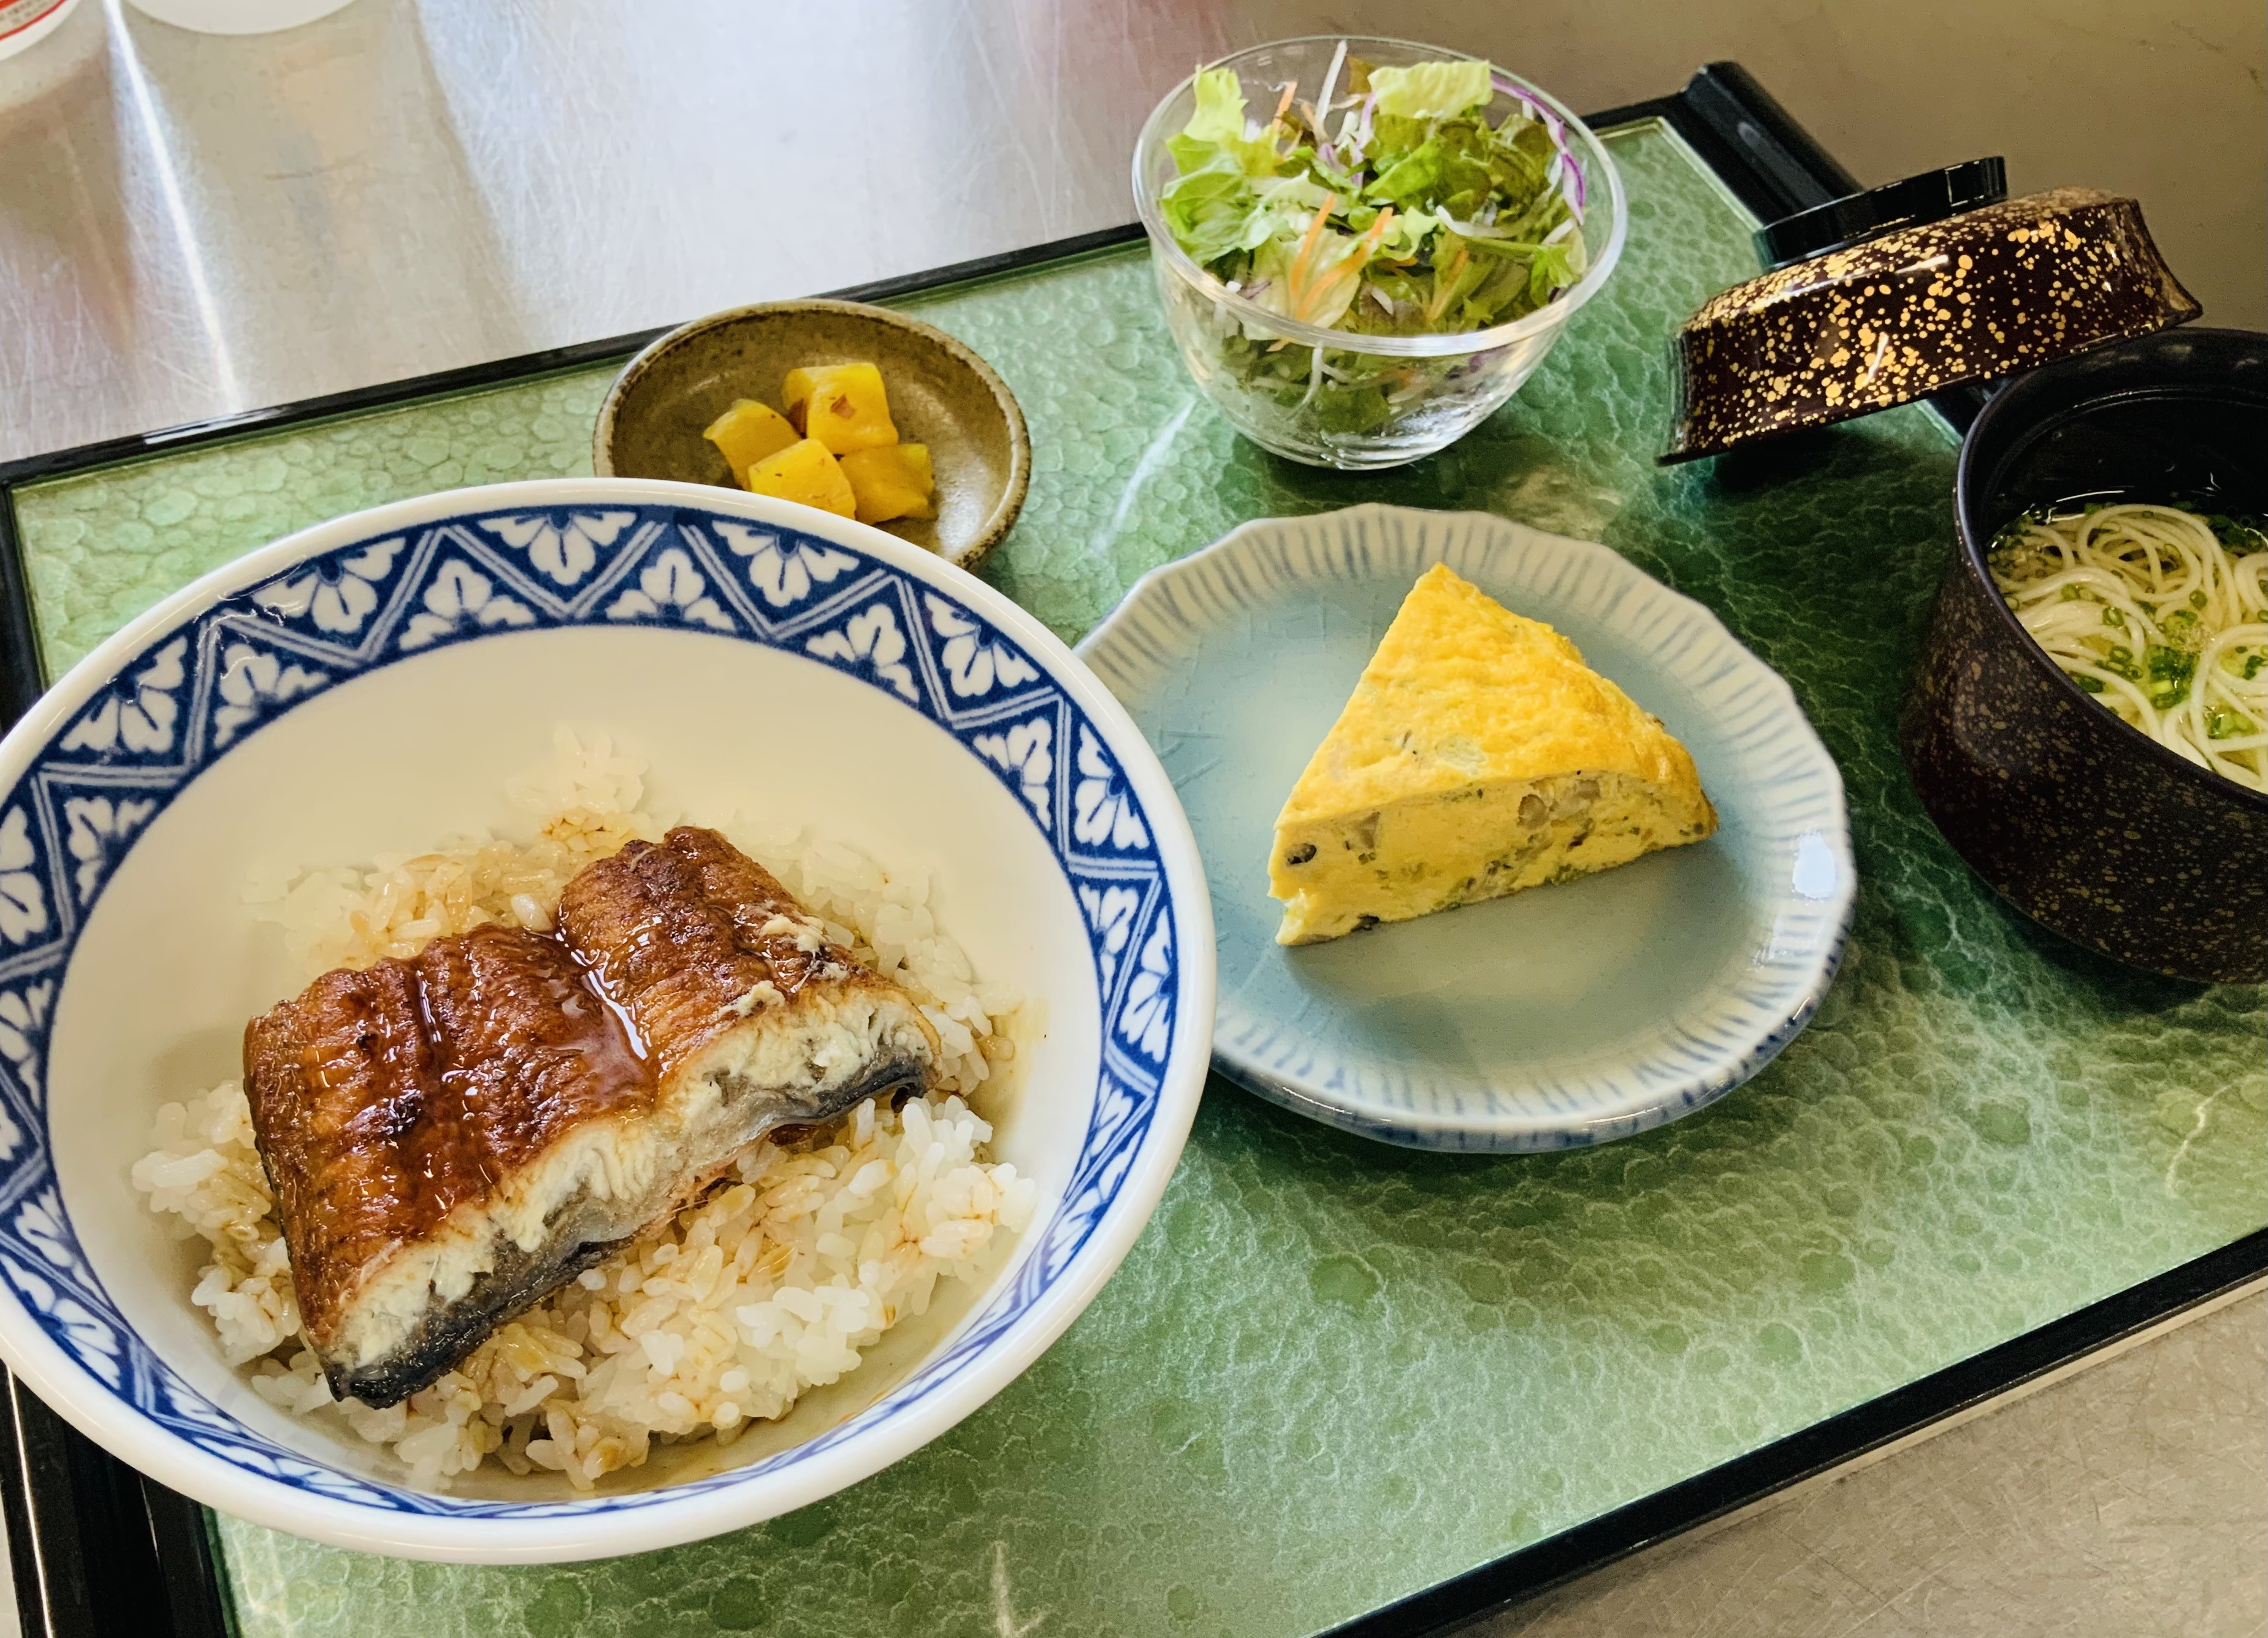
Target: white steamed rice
(772, 1283)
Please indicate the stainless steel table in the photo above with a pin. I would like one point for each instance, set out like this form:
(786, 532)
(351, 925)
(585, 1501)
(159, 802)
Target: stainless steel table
(193, 224)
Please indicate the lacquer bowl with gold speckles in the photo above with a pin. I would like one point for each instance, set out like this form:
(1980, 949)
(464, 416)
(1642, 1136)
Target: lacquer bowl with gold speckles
(1975, 296)
(2085, 824)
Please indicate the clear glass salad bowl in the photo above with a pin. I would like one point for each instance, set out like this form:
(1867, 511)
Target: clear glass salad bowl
(1328, 397)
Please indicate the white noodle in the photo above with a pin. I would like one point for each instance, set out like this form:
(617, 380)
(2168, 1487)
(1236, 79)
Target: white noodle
(2161, 621)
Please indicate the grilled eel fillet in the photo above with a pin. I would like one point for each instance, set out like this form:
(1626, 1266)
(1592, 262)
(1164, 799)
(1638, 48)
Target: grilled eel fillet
(453, 1137)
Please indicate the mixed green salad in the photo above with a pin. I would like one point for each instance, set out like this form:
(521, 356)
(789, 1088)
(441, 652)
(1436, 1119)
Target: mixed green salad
(1390, 205)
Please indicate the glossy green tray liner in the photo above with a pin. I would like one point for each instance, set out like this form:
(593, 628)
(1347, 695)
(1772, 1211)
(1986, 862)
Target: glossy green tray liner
(1333, 1373)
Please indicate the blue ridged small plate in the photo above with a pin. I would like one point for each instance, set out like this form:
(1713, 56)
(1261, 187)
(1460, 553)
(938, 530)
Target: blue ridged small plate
(1562, 1016)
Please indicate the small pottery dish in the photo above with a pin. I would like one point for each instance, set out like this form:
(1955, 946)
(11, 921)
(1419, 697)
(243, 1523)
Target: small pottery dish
(372, 684)
(941, 394)
(1916, 309)
(2082, 822)
(1558, 1017)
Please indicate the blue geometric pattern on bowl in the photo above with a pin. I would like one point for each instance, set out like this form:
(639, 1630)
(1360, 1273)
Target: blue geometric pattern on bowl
(203, 687)
(1235, 659)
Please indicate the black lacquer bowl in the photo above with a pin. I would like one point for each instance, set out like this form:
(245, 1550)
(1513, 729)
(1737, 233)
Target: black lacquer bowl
(2081, 822)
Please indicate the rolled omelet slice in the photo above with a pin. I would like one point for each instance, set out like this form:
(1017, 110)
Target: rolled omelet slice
(1478, 756)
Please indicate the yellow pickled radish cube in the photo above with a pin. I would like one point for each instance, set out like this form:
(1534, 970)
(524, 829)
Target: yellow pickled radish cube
(892, 481)
(843, 406)
(747, 433)
(806, 473)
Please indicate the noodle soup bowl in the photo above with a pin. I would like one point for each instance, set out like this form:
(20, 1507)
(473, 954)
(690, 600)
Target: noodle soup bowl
(374, 685)
(2083, 822)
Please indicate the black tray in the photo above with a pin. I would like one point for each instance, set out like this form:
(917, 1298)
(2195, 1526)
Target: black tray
(99, 1549)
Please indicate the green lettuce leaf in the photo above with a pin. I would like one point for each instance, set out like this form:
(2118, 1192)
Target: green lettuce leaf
(1219, 116)
(1554, 268)
(1405, 235)
(1457, 275)
(1459, 169)
(1520, 154)
(1213, 211)
(1392, 303)
(1430, 90)
(1218, 205)
(1218, 127)
(1522, 277)
(1295, 199)
(1413, 177)
(1392, 137)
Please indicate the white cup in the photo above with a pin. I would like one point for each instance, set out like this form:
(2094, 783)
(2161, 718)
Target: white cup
(25, 22)
(237, 17)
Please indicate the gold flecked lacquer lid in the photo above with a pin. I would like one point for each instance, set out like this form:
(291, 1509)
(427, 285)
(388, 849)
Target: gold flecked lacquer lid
(1977, 296)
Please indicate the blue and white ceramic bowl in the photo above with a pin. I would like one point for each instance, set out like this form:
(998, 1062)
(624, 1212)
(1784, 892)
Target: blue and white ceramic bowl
(1562, 1015)
(371, 685)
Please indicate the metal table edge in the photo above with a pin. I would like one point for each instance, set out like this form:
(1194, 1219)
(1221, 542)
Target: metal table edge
(1840, 1442)
(97, 1548)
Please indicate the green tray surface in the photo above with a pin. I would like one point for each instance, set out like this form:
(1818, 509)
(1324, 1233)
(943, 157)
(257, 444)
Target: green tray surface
(1331, 1373)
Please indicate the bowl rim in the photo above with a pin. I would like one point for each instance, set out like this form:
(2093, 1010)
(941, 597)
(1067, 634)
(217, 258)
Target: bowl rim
(1969, 484)
(996, 522)
(1436, 344)
(656, 1519)
(1260, 539)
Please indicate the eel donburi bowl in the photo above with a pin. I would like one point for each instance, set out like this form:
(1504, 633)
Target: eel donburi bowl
(370, 684)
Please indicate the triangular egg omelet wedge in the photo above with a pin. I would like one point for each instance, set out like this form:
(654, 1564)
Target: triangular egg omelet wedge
(1478, 756)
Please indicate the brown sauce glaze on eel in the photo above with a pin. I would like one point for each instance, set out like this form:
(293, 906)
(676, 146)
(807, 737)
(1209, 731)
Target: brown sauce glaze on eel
(453, 1137)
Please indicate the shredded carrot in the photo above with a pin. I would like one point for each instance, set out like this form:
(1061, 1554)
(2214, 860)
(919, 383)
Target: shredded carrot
(1310, 292)
(1304, 257)
(1351, 269)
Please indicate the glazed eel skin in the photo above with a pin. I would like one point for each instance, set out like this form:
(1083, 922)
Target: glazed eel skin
(451, 1137)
